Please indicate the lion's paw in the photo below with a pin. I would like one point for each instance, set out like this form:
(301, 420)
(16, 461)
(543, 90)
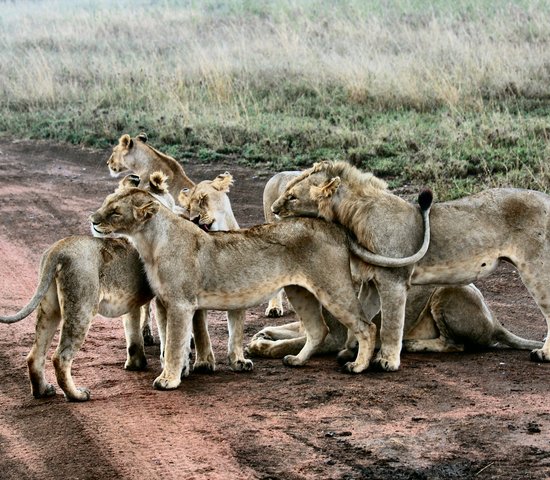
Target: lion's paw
(293, 361)
(354, 367)
(345, 356)
(386, 364)
(135, 364)
(48, 391)
(244, 365)
(82, 394)
(261, 335)
(274, 312)
(162, 383)
(539, 355)
(258, 347)
(204, 367)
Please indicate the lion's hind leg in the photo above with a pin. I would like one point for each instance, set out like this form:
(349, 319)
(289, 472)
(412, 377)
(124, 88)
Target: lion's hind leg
(204, 360)
(235, 323)
(430, 331)
(275, 306)
(48, 317)
(147, 324)
(537, 281)
(76, 322)
(308, 309)
(135, 359)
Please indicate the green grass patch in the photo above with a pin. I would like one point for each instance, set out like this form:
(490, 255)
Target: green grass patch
(449, 95)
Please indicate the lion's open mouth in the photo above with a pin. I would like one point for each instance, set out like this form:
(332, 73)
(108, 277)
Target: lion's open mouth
(204, 226)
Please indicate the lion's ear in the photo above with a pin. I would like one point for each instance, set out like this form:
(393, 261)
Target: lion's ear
(158, 183)
(142, 137)
(203, 199)
(146, 211)
(222, 182)
(326, 189)
(183, 197)
(125, 141)
(128, 181)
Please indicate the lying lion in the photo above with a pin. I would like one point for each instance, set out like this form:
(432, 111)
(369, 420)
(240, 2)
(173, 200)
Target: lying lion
(189, 269)
(437, 319)
(469, 239)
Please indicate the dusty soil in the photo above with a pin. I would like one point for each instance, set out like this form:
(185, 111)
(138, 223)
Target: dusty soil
(472, 415)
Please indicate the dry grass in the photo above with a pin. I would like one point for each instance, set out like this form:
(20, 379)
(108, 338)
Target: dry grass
(252, 75)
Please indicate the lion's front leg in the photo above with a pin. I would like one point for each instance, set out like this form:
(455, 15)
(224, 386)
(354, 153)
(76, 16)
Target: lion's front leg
(48, 317)
(179, 322)
(235, 324)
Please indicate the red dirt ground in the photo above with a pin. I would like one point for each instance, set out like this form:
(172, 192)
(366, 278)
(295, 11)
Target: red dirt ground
(445, 416)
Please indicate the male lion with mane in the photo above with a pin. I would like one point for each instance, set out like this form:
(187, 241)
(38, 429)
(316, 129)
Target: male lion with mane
(469, 238)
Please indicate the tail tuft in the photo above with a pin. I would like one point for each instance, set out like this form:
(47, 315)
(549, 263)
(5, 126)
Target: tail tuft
(425, 199)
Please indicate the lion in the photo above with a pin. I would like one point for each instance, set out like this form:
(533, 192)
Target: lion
(189, 269)
(80, 277)
(437, 319)
(470, 237)
(209, 207)
(137, 156)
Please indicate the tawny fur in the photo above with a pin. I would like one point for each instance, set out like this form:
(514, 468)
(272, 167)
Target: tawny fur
(189, 270)
(136, 155)
(437, 319)
(79, 278)
(469, 238)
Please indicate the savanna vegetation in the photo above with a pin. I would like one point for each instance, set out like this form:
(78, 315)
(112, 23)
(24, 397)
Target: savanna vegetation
(455, 95)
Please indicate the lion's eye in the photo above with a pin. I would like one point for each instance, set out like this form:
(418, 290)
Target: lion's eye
(115, 214)
(291, 197)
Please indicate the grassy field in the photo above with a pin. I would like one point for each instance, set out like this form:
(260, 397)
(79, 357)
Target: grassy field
(454, 95)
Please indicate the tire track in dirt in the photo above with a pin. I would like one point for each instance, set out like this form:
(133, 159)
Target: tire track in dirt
(488, 409)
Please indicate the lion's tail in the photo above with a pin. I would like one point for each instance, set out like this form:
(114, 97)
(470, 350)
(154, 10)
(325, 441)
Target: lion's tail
(47, 274)
(505, 337)
(425, 201)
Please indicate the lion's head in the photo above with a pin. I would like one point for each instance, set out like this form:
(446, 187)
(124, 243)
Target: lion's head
(126, 144)
(313, 192)
(124, 212)
(208, 204)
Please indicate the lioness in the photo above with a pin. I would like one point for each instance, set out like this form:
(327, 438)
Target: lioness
(437, 319)
(80, 277)
(190, 269)
(136, 155)
(208, 206)
(469, 238)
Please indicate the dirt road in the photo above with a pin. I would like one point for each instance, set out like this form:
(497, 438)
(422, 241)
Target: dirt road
(446, 416)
